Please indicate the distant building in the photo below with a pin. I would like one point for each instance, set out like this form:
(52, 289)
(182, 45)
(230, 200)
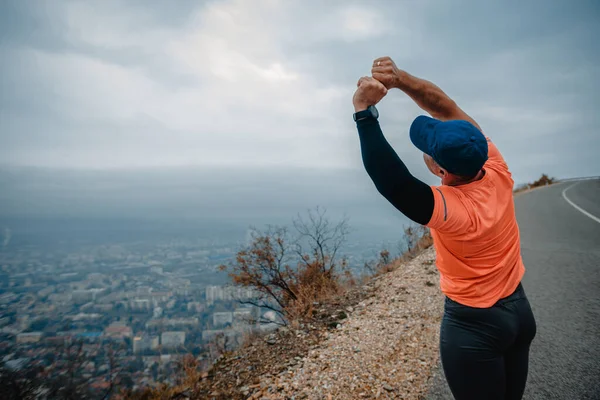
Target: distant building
(191, 322)
(60, 298)
(149, 360)
(172, 339)
(242, 315)
(157, 313)
(46, 291)
(228, 293)
(23, 321)
(183, 291)
(85, 296)
(85, 316)
(81, 296)
(143, 290)
(92, 336)
(103, 307)
(68, 276)
(222, 318)
(160, 297)
(213, 293)
(195, 306)
(210, 334)
(140, 305)
(30, 337)
(56, 340)
(144, 343)
(117, 332)
(95, 277)
(156, 270)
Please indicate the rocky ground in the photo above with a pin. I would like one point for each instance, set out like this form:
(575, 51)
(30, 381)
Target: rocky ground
(378, 341)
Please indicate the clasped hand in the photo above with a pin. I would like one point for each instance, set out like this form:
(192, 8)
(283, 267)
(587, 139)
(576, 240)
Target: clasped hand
(370, 90)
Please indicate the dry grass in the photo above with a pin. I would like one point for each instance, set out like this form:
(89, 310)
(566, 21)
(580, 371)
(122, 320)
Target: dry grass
(418, 238)
(314, 287)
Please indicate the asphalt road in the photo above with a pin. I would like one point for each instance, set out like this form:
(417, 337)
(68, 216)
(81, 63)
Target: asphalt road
(561, 250)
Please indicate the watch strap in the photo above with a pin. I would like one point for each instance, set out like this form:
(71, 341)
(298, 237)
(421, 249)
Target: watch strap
(370, 112)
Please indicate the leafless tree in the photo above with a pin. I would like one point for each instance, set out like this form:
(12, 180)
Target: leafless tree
(286, 270)
(319, 241)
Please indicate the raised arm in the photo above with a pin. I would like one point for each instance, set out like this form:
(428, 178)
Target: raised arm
(426, 94)
(392, 179)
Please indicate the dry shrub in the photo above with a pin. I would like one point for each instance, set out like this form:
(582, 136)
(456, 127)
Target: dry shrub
(314, 286)
(384, 264)
(188, 383)
(348, 281)
(249, 336)
(161, 392)
(542, 181)
(290, 273)
(417, 238)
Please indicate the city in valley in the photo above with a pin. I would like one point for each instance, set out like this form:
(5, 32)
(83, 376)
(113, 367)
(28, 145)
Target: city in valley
(130, 309)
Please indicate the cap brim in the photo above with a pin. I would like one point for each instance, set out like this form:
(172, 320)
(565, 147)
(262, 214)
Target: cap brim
(422, 133)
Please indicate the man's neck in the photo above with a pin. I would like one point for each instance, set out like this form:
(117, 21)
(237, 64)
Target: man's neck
(455, 181)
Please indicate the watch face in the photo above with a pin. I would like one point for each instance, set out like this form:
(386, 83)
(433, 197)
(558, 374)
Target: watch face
(374, 112)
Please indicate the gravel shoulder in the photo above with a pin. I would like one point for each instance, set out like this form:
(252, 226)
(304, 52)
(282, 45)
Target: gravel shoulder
(388, 346)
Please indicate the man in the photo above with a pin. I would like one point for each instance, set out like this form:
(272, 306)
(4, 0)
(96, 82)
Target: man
(488, 324)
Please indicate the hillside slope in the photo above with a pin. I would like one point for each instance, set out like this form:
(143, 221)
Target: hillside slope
(388, 345)
(379, 341)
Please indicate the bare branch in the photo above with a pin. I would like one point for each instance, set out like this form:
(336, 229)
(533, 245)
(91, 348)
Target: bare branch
(280, 269)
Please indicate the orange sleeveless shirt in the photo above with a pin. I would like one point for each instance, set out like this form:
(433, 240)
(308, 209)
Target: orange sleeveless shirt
(476, 236)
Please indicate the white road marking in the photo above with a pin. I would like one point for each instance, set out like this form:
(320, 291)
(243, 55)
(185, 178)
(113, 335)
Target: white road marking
(564, 194)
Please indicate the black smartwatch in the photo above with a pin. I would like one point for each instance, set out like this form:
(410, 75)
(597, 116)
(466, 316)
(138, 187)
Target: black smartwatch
(370, 112)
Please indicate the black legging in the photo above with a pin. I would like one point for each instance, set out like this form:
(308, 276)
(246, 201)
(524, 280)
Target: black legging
(485, 351)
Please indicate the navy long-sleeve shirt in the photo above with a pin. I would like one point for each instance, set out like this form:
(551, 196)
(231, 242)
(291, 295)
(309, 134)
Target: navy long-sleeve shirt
(392, 179)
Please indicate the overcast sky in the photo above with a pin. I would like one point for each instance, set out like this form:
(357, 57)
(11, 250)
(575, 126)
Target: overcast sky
(122, 84)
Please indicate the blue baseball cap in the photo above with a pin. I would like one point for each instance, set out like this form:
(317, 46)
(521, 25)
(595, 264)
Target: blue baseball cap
(457, 146)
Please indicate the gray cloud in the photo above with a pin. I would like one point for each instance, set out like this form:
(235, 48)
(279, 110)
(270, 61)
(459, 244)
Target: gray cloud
(150, 84)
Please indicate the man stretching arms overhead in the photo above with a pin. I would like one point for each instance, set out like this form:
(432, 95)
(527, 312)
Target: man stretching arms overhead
(488, 324)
